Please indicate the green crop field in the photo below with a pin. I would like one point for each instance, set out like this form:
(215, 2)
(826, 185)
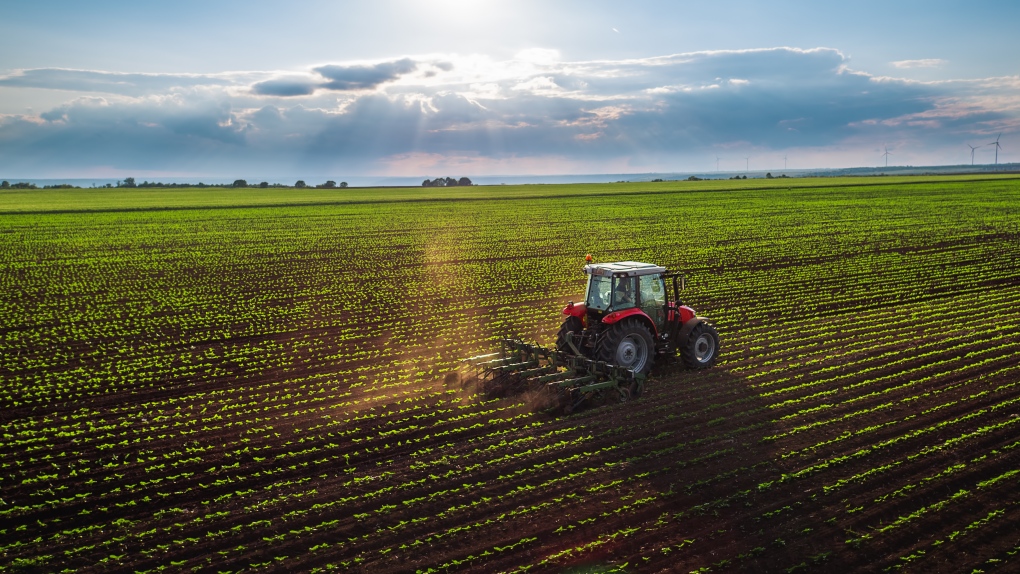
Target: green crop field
(271, 380)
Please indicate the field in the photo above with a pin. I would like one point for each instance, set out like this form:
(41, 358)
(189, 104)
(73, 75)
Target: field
(240, 381)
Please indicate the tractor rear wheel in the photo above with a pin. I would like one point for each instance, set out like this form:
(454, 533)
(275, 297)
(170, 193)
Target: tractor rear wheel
(570, 325)
(701, 348)
(628, 344)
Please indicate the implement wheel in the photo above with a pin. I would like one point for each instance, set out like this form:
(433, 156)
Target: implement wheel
(701, 348)
(628, 344)
(571, 325)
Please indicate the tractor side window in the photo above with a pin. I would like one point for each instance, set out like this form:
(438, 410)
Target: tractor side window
(653, 298)
(623, 293)
(599, 292)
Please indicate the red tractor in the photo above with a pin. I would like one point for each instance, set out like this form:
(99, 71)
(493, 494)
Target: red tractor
(628, 319)
(608, 344)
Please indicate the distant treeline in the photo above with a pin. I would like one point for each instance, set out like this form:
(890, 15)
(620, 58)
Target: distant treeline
(24, 185)
(445, 182)
(130, 182)
(298, 184)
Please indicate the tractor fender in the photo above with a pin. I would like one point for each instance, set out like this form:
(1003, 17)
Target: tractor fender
(575, 310)
(682, 312)
(689, 326)
(617, 316)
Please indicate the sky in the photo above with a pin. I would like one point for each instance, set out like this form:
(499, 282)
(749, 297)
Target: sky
(260, 89)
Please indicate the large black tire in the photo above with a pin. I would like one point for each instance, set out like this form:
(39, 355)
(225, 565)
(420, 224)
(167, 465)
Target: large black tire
(570, 325)
(628, 344)
(701, 348)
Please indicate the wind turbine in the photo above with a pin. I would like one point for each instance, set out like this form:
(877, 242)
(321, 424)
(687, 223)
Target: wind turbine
(997, 147)
(717, 163)
(784, 163)
(972, 148)
(747, 166)
(887, 154)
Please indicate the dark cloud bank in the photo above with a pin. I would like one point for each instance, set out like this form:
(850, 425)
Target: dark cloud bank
(340, 78)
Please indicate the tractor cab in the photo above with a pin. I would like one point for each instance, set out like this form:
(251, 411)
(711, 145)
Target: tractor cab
(617, 287)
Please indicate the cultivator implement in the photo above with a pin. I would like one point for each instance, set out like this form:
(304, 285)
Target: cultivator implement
(564, 380)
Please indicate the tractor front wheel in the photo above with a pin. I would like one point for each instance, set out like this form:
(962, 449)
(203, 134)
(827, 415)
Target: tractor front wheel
(701, 348)
(628, 344)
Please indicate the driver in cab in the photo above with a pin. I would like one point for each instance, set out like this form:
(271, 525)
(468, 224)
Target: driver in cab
(624, 296)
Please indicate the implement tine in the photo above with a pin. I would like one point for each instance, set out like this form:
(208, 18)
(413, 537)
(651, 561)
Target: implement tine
(495, 362)
(540, 370)
(553, 377)
(514, 367)
(480, 357)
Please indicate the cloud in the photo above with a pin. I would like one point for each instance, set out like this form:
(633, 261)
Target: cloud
(364, 77)
(538, 55)
(285, 87)
(341, 77)
(536, 113)
(544, 85)
(929, 63)
(109, 82)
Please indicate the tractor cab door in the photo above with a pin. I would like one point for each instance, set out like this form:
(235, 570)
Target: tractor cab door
(653, 299)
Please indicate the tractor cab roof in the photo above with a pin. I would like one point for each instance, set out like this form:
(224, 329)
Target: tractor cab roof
(623, 269)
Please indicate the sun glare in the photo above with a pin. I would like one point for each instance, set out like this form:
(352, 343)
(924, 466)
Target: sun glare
(458, 12)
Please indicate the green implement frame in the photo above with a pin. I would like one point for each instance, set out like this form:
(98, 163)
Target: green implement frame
(570, 379)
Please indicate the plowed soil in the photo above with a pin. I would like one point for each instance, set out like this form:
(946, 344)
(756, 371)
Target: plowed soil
(280, 388)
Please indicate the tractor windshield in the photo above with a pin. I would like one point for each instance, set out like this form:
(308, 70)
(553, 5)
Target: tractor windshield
(600, 290)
